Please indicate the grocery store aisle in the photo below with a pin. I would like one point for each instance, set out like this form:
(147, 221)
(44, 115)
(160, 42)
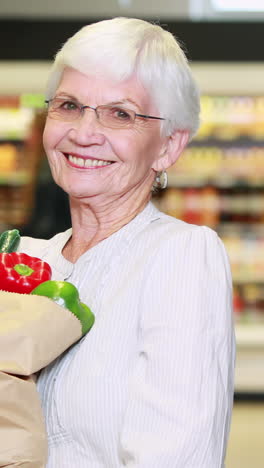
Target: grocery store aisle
(246, 443)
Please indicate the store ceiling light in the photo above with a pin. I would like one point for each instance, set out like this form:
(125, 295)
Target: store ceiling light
(238, 5)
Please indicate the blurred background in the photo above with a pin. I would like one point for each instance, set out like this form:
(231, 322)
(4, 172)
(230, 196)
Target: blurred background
(219, 180)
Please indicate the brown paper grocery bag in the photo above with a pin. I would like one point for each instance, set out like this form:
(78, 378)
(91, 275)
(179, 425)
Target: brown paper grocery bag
(22, 430)
(33, 332)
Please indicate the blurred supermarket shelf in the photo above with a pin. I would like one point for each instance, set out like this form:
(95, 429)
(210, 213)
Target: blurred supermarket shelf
(250, 336)
(248, 279)
(249, 374)
(178, 180)
(32, 75)
(224, 143)
(15, 178)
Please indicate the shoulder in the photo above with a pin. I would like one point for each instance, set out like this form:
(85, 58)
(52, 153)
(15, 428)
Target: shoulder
(188, 274)
(39, 247)
(178, 247)
(166, 231)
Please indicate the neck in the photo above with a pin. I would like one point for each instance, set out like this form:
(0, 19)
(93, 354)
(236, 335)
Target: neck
(93, 220)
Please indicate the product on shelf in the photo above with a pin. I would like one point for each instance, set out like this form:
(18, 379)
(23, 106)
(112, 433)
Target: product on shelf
(8, 158)
(232, 117)
(17, 159)
(210, 206)
(219, 166)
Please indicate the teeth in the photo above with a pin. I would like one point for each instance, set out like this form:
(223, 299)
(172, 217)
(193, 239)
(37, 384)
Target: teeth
(78, 161)
(88, 162)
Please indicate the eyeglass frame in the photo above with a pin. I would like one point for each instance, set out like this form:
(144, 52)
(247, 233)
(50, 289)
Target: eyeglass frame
(83, 107)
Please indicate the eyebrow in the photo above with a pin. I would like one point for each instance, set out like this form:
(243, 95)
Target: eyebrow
(126, 101)
(62, 94)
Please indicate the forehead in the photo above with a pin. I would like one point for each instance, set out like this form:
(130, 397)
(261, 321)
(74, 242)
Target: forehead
(96, 90)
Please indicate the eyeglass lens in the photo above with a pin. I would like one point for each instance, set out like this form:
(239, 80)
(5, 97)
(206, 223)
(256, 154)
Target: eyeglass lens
(112, 116)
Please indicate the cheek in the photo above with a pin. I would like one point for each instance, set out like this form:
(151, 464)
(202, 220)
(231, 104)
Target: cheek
(50, 138)
(47, 137)
(138, 148)
(46, 133)
(52, 134)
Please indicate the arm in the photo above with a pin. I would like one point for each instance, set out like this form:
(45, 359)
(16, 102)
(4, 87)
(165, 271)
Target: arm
(181, 391)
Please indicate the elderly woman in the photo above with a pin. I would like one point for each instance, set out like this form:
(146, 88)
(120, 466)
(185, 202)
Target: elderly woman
(151, 385)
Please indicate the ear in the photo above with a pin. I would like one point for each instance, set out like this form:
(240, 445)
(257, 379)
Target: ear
(174, 147)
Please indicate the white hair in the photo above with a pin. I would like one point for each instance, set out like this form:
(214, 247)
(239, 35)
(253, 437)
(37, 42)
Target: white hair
(120, 47)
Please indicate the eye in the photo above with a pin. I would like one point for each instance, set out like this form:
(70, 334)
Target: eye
(67, 105)
(122, 114)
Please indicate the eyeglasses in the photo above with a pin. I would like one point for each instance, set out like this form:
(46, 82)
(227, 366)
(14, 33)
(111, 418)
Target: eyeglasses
(108, 115)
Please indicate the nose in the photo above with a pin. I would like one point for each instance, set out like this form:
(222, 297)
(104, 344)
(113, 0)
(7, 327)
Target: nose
(87, 129)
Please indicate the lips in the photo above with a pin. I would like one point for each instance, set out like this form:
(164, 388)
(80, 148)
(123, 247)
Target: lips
(84, 162)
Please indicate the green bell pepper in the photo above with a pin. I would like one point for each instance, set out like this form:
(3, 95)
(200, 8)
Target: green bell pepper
(66, 295)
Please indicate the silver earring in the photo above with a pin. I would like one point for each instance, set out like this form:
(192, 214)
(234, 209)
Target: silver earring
(161, 180)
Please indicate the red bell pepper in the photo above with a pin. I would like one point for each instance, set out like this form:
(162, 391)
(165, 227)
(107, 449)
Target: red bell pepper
(21, 273)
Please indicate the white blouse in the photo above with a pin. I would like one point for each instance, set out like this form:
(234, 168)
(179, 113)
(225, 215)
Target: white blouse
(151, 385)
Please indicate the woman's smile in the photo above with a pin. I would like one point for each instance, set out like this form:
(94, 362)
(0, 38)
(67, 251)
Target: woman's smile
(83, 162)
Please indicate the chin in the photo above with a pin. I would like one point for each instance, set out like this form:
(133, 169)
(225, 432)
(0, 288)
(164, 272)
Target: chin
(79, 193)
